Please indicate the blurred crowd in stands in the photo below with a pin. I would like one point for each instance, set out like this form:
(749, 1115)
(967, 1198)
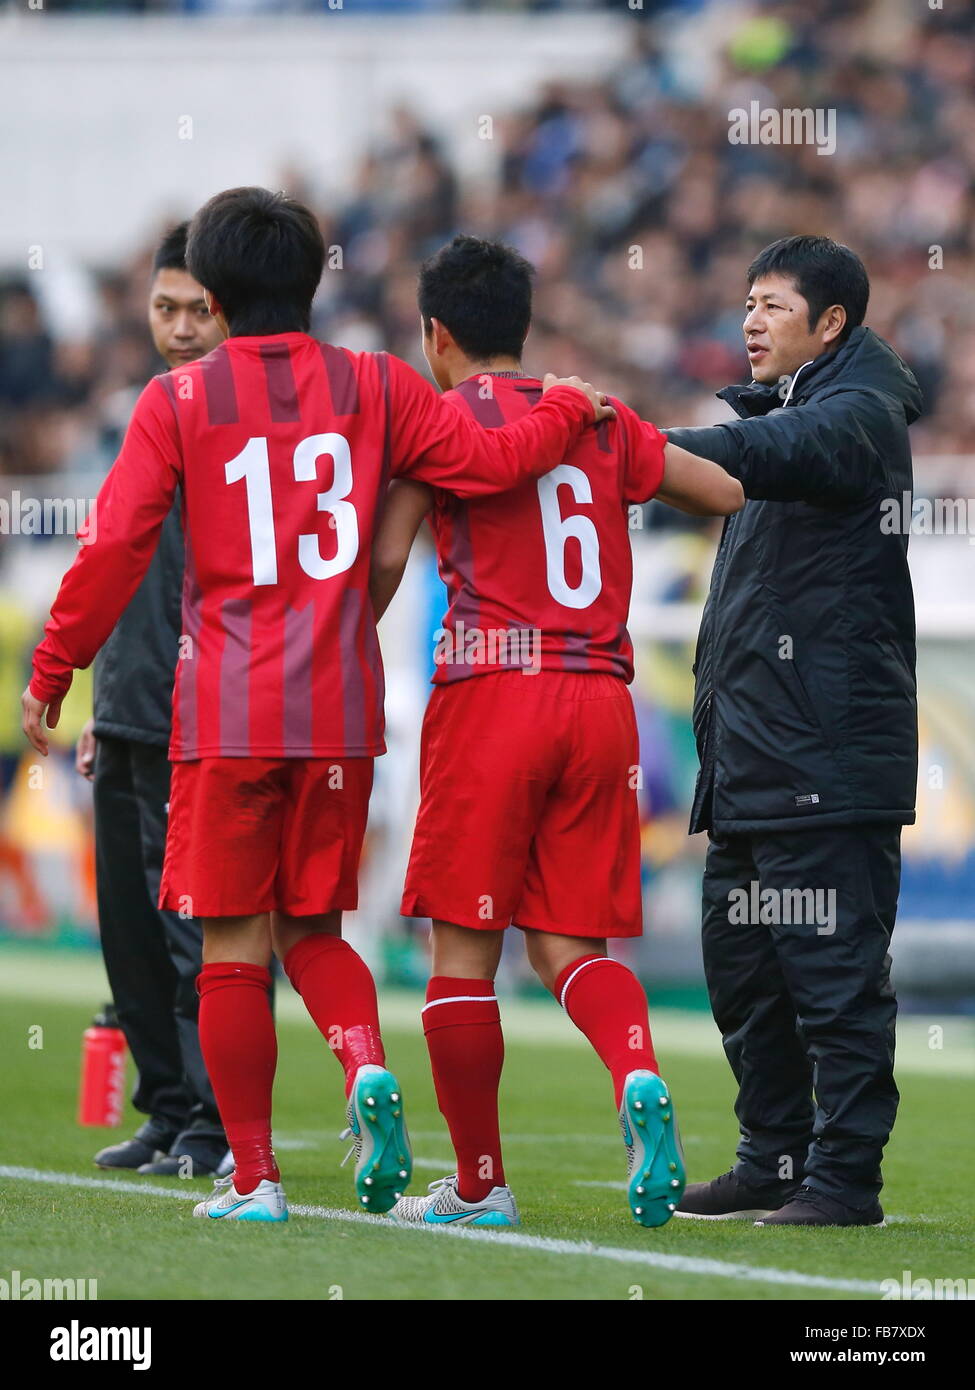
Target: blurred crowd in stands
(243, 7)
(585, 174)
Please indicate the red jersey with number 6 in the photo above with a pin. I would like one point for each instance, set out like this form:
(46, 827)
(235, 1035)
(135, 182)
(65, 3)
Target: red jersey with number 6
(540, 578)
(283, 447)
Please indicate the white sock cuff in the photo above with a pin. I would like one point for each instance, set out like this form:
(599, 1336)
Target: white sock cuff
(461, 999)
(593, 960)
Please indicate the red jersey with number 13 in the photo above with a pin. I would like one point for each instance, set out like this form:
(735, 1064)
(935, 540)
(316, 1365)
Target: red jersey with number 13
(540, 577)
(282, 447)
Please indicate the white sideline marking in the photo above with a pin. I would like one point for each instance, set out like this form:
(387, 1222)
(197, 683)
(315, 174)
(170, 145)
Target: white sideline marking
(544, 1245)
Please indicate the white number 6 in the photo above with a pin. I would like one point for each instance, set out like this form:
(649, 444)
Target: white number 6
(558, 528)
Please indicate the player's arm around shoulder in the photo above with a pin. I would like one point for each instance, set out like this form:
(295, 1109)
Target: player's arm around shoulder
(434, 441)
(407, 503)
(698, 486)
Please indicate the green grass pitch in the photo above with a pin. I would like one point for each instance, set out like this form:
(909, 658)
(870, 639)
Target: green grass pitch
(564, 1161)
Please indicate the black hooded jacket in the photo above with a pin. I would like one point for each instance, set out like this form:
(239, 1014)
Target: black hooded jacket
(805, 707)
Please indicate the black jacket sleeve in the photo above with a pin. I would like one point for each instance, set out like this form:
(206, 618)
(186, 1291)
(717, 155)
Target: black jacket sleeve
(830, 449)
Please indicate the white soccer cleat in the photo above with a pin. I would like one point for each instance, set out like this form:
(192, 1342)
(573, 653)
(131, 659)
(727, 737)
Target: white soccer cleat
(443, 1207)
(266, 1203)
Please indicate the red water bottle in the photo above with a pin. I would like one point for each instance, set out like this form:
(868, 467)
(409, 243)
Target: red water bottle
(102, 1071)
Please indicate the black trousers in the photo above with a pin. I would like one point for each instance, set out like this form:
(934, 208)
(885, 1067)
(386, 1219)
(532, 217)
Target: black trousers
(806, 1008)
(152, 957)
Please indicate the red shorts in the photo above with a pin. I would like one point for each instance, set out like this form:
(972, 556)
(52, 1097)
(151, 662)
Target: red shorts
(250, 835)
(528, 810)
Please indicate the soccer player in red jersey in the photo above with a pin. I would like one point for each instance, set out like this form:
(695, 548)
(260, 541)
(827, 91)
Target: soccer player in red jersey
(529, 754)
(283, 448)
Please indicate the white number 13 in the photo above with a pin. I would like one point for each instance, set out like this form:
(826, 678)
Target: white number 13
(253, 466)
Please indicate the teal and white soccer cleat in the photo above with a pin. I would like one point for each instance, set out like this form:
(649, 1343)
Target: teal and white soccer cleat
(443, 1207)
(655, 1160)
(383, 1158)
(266, 1203)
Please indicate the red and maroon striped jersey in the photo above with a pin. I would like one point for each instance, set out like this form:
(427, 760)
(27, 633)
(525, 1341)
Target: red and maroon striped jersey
(540, 577)
(282, 447)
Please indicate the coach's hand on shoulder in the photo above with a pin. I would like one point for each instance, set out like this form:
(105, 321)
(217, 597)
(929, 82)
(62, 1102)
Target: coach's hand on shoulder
(33, 720)
(597, 399)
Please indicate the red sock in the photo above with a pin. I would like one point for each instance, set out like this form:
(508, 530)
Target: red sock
(241, 1052)
(462, 1024)
(606, 1001)
(340, 994)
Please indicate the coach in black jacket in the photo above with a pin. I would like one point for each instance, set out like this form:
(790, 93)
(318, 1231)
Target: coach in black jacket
(806, 723)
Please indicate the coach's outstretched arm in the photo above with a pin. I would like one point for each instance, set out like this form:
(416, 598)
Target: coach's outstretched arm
(697, 486)
(131, 506)
(658, 468)
(434, 442)
(825, 449)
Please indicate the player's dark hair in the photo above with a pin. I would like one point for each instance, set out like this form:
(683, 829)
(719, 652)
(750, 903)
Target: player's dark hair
(482, 292)
(171, 251)
(261, 256)
(823, 272)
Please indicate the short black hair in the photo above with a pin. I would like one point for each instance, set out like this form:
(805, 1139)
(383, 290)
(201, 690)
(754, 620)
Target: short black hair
(171, 251)
(261, 255)
(824, 273)
(482, 292)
